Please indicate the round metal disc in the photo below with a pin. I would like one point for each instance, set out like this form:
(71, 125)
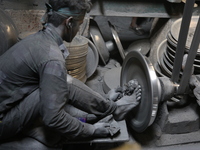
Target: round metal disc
(167, 63)
(171, 39)
(158, 70)
(117, 41)
(175, 29)
(171, 51)
(143, 46)
(8, 32)
(168, 59)
(172, 43)
(164, 68)
(99, 43)
(137, 66)
(171, 57)
(92, 59)
(160, 51)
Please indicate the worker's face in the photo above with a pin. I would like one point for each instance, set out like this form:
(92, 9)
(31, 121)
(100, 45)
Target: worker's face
(73, 29)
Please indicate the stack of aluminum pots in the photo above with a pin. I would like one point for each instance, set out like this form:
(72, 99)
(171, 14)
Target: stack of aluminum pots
(76, 61)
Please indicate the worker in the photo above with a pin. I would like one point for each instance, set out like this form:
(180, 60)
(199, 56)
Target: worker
(35, 88)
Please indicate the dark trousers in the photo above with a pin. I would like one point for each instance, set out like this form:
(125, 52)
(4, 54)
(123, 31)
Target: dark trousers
(24, 117)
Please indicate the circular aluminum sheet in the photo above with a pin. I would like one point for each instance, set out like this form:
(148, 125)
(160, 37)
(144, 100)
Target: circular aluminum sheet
(160, 51)
(171, 39)
(165, 49)
(143, 46)
(167, 63)
(99, 42)
(8, 32)
(158, 70)
(168, 59)
(92, 59)
(165, 69)
(171, 57)
(137, 66)
(175, 29)
(170, 50)
(117, 41)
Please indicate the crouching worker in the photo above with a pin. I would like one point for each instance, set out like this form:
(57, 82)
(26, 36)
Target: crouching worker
(34, 89)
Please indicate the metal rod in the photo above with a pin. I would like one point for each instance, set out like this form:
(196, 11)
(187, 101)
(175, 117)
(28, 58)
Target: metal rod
(187, 13)
(190, 60)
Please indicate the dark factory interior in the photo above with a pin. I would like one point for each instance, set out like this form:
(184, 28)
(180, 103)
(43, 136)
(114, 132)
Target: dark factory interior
(154, 42)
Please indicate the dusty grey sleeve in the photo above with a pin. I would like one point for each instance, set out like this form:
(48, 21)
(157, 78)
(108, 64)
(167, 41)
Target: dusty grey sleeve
(53, 95)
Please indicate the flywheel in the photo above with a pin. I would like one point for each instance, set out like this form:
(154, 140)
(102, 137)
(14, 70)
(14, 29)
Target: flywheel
(137, 66)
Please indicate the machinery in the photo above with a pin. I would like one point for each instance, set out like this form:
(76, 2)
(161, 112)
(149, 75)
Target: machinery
(157, 87)
(156, 90)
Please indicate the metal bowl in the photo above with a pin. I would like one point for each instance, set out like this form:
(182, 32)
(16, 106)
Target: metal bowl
(8, 32)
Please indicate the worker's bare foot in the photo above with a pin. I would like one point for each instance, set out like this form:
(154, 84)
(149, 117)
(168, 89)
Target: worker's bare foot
(127, 103)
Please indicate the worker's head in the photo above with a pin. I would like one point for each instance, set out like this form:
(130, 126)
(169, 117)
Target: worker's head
(67, 13)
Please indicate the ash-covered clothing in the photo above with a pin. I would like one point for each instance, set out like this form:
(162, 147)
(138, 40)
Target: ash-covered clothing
(33, 82)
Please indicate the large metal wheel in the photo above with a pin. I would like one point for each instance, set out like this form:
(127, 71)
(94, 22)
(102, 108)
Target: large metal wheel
(117, 40)
(99, 42)
(137, 66)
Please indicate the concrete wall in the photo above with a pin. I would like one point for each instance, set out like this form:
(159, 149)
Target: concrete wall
(22, 4)
(26, 20)
(26, 14)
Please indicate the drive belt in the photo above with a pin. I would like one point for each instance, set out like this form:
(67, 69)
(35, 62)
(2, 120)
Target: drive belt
(190, 60)
(187, 14)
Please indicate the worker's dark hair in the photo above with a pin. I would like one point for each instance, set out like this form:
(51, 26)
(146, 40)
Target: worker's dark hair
(78, 5)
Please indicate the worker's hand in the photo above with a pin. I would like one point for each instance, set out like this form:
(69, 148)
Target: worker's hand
(101, 130)
(115, 94)
(126, 104)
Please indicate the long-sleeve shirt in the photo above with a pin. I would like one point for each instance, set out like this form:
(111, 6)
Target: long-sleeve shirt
(38, 61)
